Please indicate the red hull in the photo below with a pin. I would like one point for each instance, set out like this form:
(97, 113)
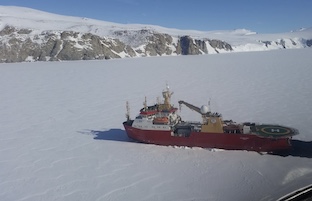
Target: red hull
(228, 141)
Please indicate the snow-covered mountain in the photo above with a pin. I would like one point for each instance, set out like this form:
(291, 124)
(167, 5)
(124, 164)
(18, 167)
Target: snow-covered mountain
(31, 35)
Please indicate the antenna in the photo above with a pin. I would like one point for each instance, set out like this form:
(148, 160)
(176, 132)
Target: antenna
(209, 107)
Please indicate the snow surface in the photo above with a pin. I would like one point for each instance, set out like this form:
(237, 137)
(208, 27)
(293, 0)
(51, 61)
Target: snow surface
(62, 137)
(240, 39)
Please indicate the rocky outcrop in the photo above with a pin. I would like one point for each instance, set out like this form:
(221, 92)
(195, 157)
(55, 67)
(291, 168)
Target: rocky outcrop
(218, 44)
(287, 43)
(7, 30)
(158, 45)
(19, 45)
(22, 45)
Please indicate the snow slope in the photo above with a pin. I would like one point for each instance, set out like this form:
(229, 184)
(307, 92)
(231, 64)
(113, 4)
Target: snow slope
(240, 39)
(62, 137)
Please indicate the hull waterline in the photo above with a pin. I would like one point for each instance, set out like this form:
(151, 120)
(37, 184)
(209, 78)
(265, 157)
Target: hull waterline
(249, 142)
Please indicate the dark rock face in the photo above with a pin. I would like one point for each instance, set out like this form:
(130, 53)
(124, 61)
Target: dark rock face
(281, 42)
(185, 46)
(309, 43)
(201, 46)
(218, 44)
(189, 46)
(266, 43)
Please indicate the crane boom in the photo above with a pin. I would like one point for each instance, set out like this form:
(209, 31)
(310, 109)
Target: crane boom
(192, 107)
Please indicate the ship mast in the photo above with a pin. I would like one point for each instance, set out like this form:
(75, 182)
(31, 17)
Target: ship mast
(167, 95)
(128, 111)
(145, 104)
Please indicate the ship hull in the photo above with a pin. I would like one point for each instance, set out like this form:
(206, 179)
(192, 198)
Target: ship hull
(249, 142)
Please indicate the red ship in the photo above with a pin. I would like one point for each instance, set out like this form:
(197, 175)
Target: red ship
(160, 124)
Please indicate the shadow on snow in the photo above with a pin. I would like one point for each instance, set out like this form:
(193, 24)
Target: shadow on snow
(299, 149)
(113, 134)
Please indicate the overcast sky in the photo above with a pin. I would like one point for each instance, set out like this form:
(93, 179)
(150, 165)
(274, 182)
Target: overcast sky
(262, 16)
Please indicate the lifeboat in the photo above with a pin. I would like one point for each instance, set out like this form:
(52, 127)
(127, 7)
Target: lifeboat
(161, 120)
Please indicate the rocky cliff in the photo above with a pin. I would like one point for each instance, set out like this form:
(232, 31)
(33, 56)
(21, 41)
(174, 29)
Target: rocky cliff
(18, 45)
(25, 44)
